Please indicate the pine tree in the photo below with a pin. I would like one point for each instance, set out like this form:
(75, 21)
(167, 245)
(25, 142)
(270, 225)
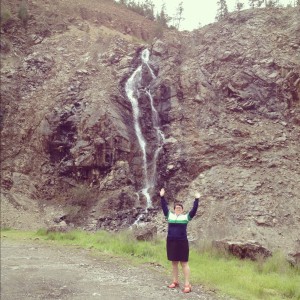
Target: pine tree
(145, 8)
(23, 14)
(162, 18)
(148, 9)
(239, 5)
(256, 3)
(272, 3)
(222, 11)
(5, 15)
(178, 17)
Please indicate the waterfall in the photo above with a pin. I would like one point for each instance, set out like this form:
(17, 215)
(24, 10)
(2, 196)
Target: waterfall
(159, 137)
(132, 91)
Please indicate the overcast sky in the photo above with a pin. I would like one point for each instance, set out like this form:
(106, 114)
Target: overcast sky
(200, 11)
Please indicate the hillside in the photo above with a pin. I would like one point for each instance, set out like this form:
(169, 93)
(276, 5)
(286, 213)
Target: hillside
(227, 101)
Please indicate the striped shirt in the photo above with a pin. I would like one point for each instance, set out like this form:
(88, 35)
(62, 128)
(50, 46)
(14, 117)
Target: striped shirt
(177, 228)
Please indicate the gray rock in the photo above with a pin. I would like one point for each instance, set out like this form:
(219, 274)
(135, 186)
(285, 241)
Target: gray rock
(294, 258)
(145, 232)
(249, 249)
(61, 227)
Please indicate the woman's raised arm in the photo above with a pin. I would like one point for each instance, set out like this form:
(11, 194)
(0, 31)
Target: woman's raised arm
(193, 211)
(163, 202)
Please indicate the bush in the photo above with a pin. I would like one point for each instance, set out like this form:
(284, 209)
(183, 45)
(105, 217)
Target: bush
(5, 229)
(5, 16)
(42, 232)
(23, 14)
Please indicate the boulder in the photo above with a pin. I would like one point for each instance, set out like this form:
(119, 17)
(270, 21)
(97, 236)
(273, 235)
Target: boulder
(145, 233)
(249, 249)
(294, 255)
(294, 258)
(61, 227)
(159, 48)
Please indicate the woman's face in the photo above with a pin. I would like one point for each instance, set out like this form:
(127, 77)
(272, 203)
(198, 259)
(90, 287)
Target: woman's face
(178, 210)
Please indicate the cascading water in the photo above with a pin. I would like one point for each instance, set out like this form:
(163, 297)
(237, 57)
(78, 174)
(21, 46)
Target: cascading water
(132, 91)
(159, 137)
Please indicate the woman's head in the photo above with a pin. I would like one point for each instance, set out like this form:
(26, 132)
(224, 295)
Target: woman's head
(178, 208)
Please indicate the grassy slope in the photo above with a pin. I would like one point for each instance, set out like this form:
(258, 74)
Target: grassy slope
(272, 279)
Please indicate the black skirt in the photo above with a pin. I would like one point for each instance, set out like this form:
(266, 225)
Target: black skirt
(178, 250)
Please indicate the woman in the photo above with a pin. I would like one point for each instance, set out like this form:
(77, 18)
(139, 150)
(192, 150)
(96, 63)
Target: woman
(177, 242)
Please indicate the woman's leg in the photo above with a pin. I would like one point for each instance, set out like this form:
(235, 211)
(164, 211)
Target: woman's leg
(186, 272)
(175, 270)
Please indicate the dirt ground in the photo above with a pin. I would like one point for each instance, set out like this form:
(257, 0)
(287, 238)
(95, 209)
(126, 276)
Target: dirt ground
(32, 270)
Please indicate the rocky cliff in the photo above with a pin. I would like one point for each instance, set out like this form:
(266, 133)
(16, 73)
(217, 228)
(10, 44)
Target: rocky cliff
(227, 97)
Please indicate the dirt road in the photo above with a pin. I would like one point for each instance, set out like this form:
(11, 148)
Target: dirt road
(33, 270)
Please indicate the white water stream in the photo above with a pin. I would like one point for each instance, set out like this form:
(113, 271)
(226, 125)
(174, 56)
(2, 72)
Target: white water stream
(131, 88)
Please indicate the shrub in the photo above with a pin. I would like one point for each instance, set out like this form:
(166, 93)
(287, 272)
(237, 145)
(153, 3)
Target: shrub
(4, 229)
(42, 232)
(5, 16)
(23, 14)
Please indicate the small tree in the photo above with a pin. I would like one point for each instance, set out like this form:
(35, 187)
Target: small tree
(162, 18)
(256, 3)
(222, 11)
(23, 14)
(5, 15)
(148, 8)
(239, 5)
(178, 16)
(272, 3)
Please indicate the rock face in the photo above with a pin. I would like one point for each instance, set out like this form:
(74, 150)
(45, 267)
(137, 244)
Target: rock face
(227, 97)
(229, 103)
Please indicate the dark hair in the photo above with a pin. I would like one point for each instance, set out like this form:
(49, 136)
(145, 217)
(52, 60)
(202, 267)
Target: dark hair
(178, 204)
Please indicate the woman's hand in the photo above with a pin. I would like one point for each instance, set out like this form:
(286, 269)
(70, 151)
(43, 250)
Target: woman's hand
(162, 192)
(197, 195)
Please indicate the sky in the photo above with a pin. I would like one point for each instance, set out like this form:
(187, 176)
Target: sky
(201, 12)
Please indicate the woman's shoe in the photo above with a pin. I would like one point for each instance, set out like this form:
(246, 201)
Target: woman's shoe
(187, 289)
(173, 285)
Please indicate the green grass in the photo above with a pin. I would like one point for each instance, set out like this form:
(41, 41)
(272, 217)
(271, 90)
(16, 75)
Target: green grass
(268, 280)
